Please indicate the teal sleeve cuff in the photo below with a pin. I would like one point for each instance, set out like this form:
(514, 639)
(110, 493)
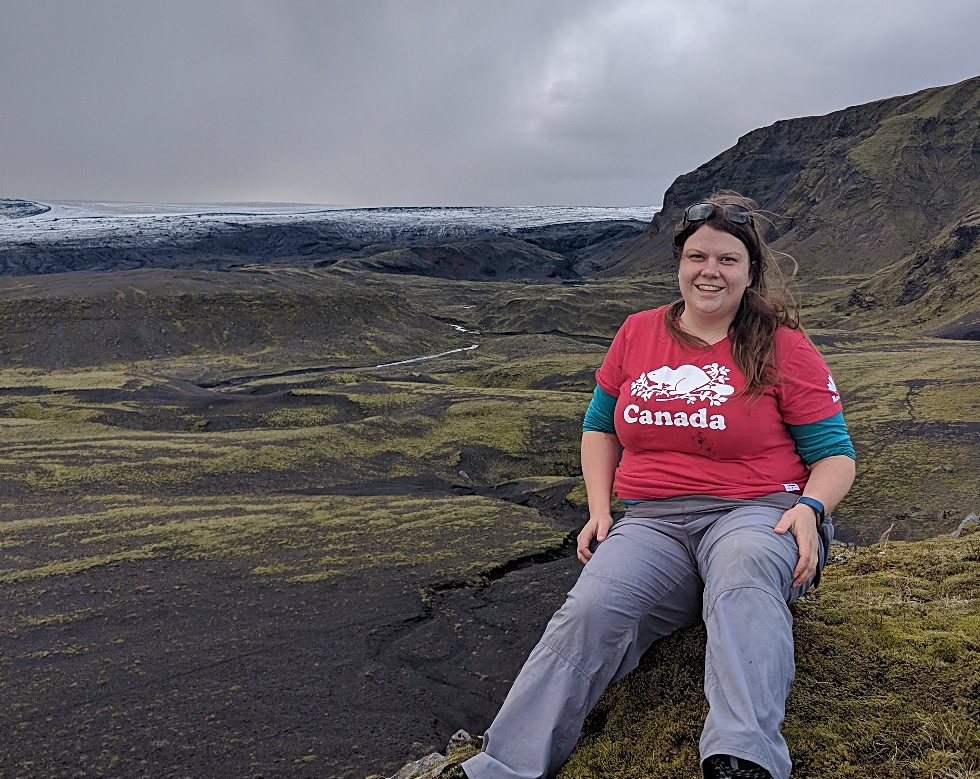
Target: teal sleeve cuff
(825, 438)
(600, 414)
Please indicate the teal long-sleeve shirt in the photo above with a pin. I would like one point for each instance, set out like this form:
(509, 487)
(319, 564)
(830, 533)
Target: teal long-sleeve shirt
(814, 441)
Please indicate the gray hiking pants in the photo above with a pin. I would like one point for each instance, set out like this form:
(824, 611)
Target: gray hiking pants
(666, 564)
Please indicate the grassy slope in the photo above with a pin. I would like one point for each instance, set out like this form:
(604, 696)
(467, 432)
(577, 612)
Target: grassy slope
(936, 289)
(912, 409)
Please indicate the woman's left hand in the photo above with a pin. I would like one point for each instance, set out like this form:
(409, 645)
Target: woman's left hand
(830, 479)
(802, 523)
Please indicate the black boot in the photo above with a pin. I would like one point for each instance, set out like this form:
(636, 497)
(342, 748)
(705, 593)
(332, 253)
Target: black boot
(728, 767)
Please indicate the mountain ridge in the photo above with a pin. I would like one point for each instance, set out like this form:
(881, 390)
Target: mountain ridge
(852, 191)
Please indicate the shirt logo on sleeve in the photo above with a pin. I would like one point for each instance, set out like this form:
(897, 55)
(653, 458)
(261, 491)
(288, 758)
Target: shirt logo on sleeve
(835, 395)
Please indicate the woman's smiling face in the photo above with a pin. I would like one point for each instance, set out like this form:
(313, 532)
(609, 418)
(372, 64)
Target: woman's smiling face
(713, 275)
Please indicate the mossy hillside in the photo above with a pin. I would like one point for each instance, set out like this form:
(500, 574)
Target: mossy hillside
(537, 361)
(909, 490)
(887, 683)
(60, 381)
(174, 282)
(581, 308)
(493, 434)
(495, 257)
(893, 379)
(391, 398)
(406, 430)
(439, 422)
(891, 187)
(586, 309)
(292, 327)
(572, 372)
(911, 408)
(246, 322)
(936, 289)
(920, 156)
(818, 297)
(288, 537)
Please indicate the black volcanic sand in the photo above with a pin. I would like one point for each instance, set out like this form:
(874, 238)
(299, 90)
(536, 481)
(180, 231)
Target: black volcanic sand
(181, 670)
(168, 668)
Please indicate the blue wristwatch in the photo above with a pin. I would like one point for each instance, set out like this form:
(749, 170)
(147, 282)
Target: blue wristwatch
(813, 503)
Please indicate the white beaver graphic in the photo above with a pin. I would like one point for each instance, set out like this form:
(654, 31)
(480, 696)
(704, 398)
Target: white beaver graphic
(687, 382)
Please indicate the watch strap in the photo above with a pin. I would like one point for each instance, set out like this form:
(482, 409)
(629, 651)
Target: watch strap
(813, 503)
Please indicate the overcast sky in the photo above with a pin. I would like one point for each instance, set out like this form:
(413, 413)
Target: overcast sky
(434, 102)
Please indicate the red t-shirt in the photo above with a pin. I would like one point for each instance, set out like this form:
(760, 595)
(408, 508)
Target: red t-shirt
(685, 429)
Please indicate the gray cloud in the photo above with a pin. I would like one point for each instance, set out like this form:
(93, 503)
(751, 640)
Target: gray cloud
(420, 102)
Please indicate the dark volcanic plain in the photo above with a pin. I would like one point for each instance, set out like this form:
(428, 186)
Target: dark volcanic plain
(232, 546)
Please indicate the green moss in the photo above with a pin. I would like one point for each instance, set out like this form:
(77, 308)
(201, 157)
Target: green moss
(579, 496)
(388, 403)
(61, 381)
(879, 691)
(498, 424)
(949, 400)
(575, 372)
(331, 378)
(37, 411)
(301, 538)
(300, 417)
(909, 405)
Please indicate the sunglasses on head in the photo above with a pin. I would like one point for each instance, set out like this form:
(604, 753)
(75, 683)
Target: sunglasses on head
(701, 211)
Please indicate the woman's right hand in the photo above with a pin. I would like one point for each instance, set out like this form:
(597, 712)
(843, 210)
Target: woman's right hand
(600, 452)
(597, 528)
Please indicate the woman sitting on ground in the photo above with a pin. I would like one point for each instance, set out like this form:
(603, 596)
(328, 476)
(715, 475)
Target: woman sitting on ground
(734, 451)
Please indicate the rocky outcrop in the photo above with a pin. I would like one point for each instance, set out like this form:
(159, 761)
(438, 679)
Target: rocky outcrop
(935, 290)
(462, 746)
(968, 525)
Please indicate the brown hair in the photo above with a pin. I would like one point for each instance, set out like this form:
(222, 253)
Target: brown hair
(762, 312)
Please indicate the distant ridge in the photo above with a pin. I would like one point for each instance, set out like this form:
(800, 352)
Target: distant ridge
(542, 242)
(18, 209)
(851, 192)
